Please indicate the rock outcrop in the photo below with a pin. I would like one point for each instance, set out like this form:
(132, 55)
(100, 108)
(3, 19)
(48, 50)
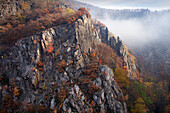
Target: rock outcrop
(58, 68)
(116, 44)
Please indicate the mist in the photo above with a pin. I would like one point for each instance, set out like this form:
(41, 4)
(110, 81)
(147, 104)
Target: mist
(138, 32)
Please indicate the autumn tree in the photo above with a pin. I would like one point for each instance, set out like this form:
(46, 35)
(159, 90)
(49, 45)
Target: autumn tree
(122, 79)
(139, 106)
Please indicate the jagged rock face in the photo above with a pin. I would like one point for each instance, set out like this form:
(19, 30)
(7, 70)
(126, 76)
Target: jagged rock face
(51, 69)
(116, 44)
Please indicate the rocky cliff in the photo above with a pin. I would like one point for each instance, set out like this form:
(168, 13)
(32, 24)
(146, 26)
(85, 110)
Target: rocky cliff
(59, 70)
(117, 45)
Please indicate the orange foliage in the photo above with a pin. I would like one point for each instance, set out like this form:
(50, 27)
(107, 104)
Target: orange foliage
(40, 64)
(55, 111)
(91, 68)
(93, 55)
(45, 11)
(93, 75)
(93, 103)
(107, 56)
(90, 110)
(93, 88)
(61, 65)
(41, 69)
(33, 68)
(62, 94)
(7, 102)
(55, 84)
(8, 26)
(35, 20)
(126, 68)
(16, 91)
(28, 106)
(100, 61)
(84, 11)
(35, 41)
(50, 48)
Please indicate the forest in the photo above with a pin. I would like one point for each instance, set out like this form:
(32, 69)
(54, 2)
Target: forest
(144, 94)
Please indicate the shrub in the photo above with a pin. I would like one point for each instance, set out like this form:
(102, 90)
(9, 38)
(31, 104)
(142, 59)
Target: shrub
(85, 11)
(16, 91)
(107, 56)
(50, 48)
(92, 89)
(69, 11)
(60, 66)
(40, 64)
(140, 106)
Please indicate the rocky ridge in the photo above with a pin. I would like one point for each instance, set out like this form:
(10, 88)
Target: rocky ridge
(116, 44)
(55, 67)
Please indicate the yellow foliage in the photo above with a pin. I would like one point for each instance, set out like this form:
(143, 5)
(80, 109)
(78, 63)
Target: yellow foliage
(69, 11)
(167, 109)
(44, 87)
(148, 84)
(58, 52)
(55, 111)
(18, 15)
(140, 80)
(25, 6)
(126, 68)
(41, 79)
(139, 106)
(122, 79)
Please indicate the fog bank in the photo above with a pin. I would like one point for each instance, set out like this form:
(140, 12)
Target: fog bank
(138, 32)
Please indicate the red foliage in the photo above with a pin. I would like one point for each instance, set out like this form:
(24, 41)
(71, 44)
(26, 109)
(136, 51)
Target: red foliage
(85, 11)
(4, 87)
(50, 48)
(100, 61)
(40, 64)
(107, 56)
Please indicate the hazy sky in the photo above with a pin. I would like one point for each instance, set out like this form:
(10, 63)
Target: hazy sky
(122, 4)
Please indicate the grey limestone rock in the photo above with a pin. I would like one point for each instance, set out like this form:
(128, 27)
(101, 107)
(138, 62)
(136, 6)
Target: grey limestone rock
(47, 77)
